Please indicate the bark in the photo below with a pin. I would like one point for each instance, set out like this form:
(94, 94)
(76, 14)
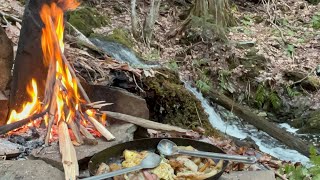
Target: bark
(134, 20)
(260, 123)
(150, 20)
(28, 62)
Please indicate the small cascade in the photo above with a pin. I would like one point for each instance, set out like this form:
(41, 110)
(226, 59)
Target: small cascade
(238, 129)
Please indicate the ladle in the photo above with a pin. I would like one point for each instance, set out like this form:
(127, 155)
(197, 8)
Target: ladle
(152, 160)
(169, 148)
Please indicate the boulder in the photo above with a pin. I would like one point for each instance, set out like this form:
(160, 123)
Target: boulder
(123, 101)
(6, 59)
(29, 170)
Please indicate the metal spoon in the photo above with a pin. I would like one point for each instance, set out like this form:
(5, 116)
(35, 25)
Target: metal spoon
(169, 148)
(152, 160)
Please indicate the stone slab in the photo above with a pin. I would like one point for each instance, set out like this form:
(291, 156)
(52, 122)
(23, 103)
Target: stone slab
(9, 149)
(249, 175)
(51, 155)
(29, 170)
(123, 101)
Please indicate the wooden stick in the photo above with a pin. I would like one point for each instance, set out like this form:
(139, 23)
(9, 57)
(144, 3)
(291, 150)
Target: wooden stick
(68, 153)
(76, 131)
(103, 130)
(52, 111)
(89, 139)
(9, 127)
(144, 122)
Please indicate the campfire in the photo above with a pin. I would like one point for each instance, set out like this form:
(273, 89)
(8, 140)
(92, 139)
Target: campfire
(66, 110)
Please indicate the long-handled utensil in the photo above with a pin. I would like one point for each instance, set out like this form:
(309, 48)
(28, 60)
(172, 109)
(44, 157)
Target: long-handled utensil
(152, 160)
(169, 148)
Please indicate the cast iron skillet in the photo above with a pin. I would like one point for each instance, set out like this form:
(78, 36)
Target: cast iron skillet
(114, 154)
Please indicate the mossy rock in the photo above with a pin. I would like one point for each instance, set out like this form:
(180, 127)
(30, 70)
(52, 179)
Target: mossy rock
(86, 19)
(312, 123)
(170, 102)
(118, 35)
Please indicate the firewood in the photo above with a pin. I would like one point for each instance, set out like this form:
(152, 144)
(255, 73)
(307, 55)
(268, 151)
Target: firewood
(89, 139)
(68, 153)
(103, 130)
(76, 131)
(145, 123)
(52, 111)
(9, 127)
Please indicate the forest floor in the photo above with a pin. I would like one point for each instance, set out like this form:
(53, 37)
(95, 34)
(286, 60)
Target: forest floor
(269, 61)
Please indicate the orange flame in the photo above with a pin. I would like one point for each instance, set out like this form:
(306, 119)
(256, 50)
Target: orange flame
(29, 108)
(52, 47)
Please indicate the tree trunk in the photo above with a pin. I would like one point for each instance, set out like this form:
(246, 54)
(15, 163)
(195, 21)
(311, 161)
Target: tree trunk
(28, 63)
(150, 20)
(134, 20)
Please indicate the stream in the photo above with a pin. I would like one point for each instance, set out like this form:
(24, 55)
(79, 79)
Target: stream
(233, 126)
(241, 130)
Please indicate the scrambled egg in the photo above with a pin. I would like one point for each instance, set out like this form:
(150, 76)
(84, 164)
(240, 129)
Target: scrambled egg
(133, 158)
(164, 171)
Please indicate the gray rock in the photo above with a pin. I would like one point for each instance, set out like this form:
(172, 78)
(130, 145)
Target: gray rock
(123, 101)
(29, 170)
(6, 59)
(249, 175)
(9, 149)
(51, 155)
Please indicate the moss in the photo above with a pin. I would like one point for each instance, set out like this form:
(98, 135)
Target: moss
(86, 18)
(312, 124)
(118, 35)
(170, 102)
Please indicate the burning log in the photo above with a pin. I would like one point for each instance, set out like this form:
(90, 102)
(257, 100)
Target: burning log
(101, 128)
(89, 139)
(9, 127)
(68, 153)
(76, 131)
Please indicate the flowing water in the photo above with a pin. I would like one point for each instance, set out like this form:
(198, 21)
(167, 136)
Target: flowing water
(121, 53)
(242, 130)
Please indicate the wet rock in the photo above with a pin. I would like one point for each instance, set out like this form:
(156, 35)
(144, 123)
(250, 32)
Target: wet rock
(123, 101)
(29, 170)
(6, 59)
(170, 102)
(311, 124)
(51, 155)
(4, 108)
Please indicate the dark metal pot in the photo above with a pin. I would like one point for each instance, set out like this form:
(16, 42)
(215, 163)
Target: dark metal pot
(114, 154)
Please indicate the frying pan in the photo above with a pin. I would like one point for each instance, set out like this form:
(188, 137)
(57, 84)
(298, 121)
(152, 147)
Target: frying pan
(114, 154)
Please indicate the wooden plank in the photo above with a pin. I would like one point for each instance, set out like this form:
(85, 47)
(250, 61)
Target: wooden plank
(68, 153)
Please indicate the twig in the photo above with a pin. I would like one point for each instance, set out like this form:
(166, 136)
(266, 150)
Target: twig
(134, 79)
(145, 123)
(299, 81)
(12, 17)
(198, 115)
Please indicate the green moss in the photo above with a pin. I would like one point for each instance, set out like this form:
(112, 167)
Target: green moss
(172, 103)
(118, 35)
(86, 18)
(312, 124)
